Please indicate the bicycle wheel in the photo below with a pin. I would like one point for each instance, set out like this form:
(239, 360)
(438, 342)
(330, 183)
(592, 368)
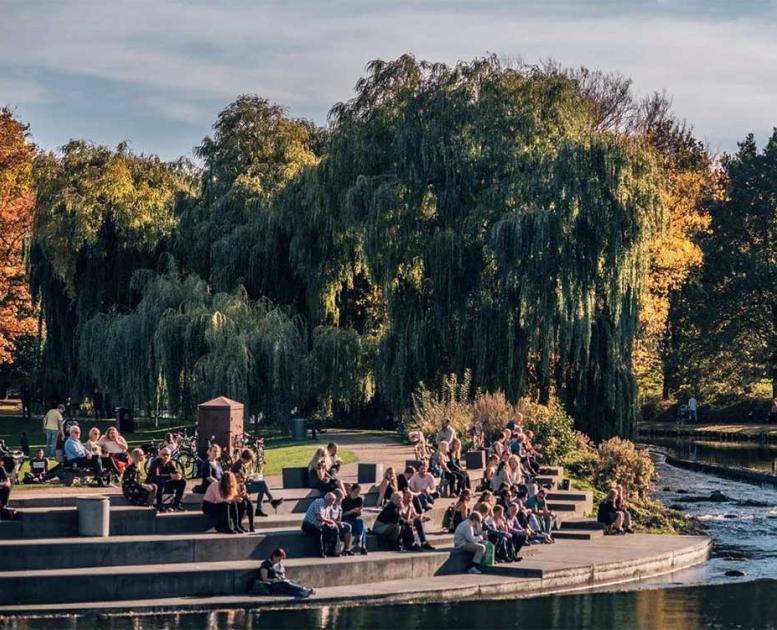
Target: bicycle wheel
(185, 460)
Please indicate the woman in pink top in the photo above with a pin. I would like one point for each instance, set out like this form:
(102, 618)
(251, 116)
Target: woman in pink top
(219, 503)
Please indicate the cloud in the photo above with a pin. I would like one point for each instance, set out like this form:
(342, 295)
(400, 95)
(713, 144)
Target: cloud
(177, 58)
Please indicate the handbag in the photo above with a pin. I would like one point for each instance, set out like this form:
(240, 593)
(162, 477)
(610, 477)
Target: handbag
(490, 556)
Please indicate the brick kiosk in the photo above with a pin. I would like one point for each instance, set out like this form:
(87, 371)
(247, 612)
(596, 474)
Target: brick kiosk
(221, 418)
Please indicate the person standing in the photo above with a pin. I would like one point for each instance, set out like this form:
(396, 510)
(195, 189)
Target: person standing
(26, 398)
(53, 423)
(692, 406)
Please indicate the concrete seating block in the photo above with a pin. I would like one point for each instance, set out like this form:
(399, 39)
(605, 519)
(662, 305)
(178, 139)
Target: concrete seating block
(370, 473)
(94, 516)
(295, 478)
(475, 460)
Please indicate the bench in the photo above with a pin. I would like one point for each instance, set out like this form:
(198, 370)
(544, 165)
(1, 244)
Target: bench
(68, 474)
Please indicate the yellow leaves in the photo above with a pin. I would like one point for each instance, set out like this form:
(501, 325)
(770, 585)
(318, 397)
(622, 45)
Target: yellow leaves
(91, 185)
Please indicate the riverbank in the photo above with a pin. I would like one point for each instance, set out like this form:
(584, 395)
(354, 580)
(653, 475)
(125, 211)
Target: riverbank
(710, 431)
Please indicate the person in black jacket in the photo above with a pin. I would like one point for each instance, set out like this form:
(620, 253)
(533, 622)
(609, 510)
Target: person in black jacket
(164, 474)
(609, 515)
(273, 576)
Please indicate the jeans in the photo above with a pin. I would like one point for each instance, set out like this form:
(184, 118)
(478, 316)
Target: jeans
(51, 442)
(546, 523)
(245, 508)
(358, 529)
(263, 490)
(286, 587)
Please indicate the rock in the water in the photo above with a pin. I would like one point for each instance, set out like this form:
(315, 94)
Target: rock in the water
(667, 489)
(677, 506)
(734, 573)
(730, 516)
(681, 491)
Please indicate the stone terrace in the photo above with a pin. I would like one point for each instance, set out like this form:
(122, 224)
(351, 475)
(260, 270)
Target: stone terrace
(170, 561)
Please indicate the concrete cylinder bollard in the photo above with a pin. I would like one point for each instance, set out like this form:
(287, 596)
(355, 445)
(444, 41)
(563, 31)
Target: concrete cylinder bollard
(94, 516)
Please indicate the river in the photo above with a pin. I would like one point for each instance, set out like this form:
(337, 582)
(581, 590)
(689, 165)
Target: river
(744, 531)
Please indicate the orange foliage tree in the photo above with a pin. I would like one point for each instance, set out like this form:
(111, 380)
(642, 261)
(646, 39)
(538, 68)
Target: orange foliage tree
(16, 208)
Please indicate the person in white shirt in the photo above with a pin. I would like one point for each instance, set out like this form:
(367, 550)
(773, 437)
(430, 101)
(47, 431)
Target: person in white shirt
(447, 433)
(469, 537)
(692, 406)
(423, 486)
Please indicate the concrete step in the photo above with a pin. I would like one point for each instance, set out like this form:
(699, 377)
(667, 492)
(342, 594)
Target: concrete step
(570, 495)
(552, 471)
(582, 524)
(212, 578)
(567, 506)
(576, 534)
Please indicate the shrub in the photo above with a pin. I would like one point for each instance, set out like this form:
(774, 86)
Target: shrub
(583, 460)
(552, 428)
(430, 407)
(492, 412)
(620, 462)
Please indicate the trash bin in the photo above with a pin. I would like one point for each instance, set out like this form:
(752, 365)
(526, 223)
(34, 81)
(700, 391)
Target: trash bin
(94, 516)
(299, 428)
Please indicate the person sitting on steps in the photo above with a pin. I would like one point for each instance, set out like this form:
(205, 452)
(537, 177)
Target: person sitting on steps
(211, 469)
(319, 475)
(424, 488)
(412, 521)
(164, 474)
(344, 531)
(352, 514)
(219, 503)
(388, 525)
(241, 467)
(609, 515)
(134, 489)
(468, 537)
(318, 523)
(78, 456)
(273, 574)
(387, 487)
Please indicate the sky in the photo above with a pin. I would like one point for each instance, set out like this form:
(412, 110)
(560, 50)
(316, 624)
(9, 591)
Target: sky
(157, 72)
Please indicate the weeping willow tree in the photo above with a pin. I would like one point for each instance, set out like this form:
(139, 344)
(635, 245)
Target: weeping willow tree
(184, 344)
(503, 232)
(451, 219)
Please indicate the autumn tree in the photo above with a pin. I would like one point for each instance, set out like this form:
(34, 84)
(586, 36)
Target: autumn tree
(16, 206)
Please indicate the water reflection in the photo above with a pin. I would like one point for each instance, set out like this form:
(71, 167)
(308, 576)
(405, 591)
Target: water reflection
(754, 455)
(739, 605)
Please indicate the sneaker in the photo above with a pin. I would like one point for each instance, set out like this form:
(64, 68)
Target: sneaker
(427, 546)
(474, 571)
(363, 551)
(415, 547)
(347, 552)
(275, 503)
(305, 594)
(260, 513)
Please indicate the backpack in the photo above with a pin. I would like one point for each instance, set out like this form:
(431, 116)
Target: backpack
(447, 518)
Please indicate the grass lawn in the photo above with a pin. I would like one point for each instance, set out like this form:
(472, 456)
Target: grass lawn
(283, 453)
(280, 451)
